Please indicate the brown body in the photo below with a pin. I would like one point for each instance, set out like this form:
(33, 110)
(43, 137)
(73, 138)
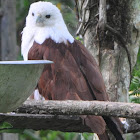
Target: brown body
(73, 76)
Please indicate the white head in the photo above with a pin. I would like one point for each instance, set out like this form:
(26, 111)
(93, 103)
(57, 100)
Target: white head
(44, 21)
(43, 14)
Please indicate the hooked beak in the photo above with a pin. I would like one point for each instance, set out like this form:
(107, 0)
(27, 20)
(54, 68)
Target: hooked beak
(40, 21)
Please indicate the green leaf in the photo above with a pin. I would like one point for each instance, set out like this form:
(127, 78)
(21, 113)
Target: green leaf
(30, 135)
(5, 125)
(135, 99)
(26, 3)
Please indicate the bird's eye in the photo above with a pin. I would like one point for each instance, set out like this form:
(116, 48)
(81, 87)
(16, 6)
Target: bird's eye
(33, 14)
(48, 16)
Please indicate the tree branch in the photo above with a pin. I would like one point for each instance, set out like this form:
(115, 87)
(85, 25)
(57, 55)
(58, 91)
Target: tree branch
(133, 126)
(84, 7)
(100, 108)
(39, 119)
(102, 14)
(45, 122)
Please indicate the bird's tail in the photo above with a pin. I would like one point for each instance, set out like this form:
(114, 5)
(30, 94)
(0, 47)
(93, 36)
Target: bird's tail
(98, 126)
(104, 136)
(115, 126)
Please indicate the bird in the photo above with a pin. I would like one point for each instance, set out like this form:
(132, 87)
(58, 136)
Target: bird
(74, 75)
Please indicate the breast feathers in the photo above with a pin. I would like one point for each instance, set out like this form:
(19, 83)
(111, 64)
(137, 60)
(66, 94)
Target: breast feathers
(73, 76)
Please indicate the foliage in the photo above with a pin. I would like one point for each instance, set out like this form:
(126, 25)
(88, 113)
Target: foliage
(80, 39)
(135, 82)
(53, 135)
(5, 125)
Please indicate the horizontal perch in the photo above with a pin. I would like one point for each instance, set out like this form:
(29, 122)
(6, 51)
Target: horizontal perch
(45, 122)
(34, 115)
(101, 108)
(62, 123)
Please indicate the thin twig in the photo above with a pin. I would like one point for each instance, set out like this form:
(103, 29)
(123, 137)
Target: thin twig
(93, 5)
(77, 11)
(83, 18)
(102, 14)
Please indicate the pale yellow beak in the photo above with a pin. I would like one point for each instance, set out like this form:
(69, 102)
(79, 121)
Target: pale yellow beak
(40, 20)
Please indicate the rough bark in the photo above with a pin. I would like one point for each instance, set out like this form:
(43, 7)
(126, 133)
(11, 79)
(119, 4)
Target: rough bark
(45, 122)
(115, 48)
(31, 113)
(111, 32)
(64, 123)
(8, 46)
(100, 108)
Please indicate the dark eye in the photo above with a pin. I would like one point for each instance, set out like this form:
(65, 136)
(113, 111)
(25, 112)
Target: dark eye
(33, 14)
(48, 16)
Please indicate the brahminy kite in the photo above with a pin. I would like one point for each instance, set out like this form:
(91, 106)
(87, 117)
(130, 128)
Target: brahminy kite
(74, 74)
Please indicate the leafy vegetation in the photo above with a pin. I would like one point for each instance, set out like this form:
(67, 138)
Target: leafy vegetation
(135, 82)
(5, 125)
(53, 135)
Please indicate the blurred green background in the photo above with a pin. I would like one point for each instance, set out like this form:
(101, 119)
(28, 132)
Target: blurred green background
(67, 8)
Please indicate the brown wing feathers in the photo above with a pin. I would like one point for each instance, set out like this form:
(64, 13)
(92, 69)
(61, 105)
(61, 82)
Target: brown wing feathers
(73, 76)
(96, 84)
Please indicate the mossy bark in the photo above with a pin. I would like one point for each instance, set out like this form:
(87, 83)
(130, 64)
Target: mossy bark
(116, 47)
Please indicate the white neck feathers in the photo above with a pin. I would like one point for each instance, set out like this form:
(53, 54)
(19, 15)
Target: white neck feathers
(58, 33)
